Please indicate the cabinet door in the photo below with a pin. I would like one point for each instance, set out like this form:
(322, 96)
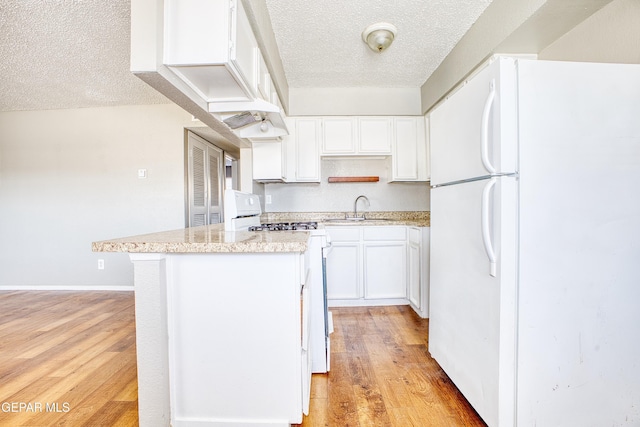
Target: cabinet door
(425, 153)
(405, 149)
(264, 78)
(245, 52)
(343, 271)
(196, 32)
(374, 135)
(385, 269)
(414, 275)
(339, 136)
(307, 133)
(269, 160)
(410, 152)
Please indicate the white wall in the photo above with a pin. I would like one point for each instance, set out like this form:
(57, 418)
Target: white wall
(339, 197)
(355, 101)
(69, 177)
(610, 35)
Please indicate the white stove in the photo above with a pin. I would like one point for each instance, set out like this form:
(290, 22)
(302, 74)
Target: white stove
(242, 213)
(241, 210)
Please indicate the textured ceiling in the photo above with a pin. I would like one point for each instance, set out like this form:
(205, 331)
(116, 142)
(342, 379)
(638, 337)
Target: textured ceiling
(321, 46)
(67, 54)
(75, 53)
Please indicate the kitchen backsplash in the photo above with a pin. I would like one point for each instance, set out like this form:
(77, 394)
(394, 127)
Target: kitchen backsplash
(339, 197)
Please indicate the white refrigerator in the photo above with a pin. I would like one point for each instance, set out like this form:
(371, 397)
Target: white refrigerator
(535, 242)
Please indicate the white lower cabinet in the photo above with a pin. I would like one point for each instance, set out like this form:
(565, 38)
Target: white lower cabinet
(223, 339)
(344, 272)
(367, 265)
(418, 269)
(385, 269)
(385, 262)
(414, 274)
(379, 265)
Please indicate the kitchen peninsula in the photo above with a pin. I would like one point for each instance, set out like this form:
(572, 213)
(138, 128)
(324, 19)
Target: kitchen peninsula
(222, 317)
(220, 325)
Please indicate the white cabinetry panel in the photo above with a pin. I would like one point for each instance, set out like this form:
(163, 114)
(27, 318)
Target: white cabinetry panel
(262, 376)
(357, 136)
(307, 137)
(292, 158)
(270, 160)
(385, 268)
(410, 158)
(367, 265)
(374, 135)
(343, 271)
(344, 263)
(340, 135)
(245, 53)
(211, 46)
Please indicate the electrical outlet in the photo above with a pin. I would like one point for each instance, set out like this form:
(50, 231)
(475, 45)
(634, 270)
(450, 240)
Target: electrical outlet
(267, 199)
(100, 264)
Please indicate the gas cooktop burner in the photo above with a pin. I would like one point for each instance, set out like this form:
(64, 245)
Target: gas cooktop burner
(285, 226)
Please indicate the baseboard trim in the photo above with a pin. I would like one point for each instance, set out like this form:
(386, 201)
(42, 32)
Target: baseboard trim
(66, 288)
(366, 302)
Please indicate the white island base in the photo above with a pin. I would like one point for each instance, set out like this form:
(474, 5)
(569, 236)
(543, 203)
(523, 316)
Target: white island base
(222, 338)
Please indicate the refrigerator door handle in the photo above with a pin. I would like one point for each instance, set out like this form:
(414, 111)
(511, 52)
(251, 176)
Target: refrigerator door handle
(486, 228)
(484, 138)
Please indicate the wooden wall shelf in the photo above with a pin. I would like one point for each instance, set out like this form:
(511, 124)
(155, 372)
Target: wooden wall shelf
(354, 178)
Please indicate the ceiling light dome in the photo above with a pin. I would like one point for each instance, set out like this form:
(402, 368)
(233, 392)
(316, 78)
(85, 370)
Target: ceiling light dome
(379, 36)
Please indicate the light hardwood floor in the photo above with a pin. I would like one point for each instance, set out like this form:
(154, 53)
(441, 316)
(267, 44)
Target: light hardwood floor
(71, 357)
(382, 375)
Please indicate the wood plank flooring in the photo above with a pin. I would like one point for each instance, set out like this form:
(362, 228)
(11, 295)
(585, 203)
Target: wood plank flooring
(382, 375)
(69, 359)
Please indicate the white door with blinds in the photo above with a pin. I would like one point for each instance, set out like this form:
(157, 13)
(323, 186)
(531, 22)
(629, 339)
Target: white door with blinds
(205, 182)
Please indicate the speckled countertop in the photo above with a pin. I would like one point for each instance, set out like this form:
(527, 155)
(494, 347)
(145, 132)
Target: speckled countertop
(409, 218)
(214, 239)
(207, 239)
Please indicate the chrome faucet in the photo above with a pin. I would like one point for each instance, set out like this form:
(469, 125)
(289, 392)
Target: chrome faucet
(355, 205)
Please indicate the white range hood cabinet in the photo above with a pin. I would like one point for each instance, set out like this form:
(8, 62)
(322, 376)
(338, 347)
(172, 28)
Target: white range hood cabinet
(210, 46)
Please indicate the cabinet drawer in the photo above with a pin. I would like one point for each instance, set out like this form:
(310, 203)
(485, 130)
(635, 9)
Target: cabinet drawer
(385, 233)
(344, 234)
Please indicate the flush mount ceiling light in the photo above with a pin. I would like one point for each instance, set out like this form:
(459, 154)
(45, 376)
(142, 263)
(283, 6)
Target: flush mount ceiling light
(379, 36)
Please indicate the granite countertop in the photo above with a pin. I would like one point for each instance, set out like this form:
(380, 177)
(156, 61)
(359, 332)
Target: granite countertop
(407, 218)
(214, 239)
(207, 239)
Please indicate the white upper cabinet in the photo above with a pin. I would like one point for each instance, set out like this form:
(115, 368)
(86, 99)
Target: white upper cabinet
(340, 135)
(244, 53)
(264, 83)
(210, 45)
(410, 153)
(404, 139)
(271, 160)
(210, 54)
(375, 135)
(292, 158)
(307, 136)
(356, 136)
